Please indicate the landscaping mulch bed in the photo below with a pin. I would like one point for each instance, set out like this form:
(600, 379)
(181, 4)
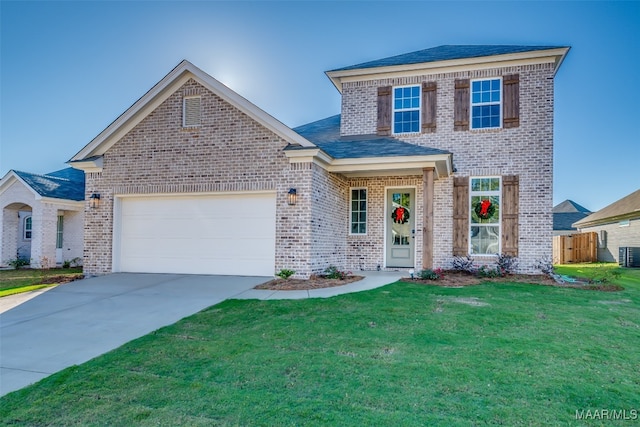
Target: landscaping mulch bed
(448, 279)
(457, 279)
(314, 282)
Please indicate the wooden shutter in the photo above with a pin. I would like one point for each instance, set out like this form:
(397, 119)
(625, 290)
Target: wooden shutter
(511, 105)
(460, 216)
(461, 105)
(429, 102)
(384, 111)
(510, 209)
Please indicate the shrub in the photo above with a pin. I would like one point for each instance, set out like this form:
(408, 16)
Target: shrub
(16, 263)
(285, 273)
(603, 274)
(507, 263)
(463, 264)
(487, 272)
(545, 266)
(332, 272)
(428, 274)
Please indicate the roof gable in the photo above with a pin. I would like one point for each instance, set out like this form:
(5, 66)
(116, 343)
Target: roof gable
(162, 91)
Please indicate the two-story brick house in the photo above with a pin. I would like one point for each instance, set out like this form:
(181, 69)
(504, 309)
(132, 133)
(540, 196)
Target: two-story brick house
(437, 153)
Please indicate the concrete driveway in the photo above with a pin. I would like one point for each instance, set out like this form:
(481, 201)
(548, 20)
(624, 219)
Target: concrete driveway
(76, 322)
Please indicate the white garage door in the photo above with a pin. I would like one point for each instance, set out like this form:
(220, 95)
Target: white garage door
(221, 234)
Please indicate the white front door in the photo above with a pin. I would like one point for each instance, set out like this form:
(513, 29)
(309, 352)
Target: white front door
(59, 240)
(400, 217)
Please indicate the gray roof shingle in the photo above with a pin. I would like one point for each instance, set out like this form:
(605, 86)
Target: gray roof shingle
(66, 183)
(325, 134)
(446, 52)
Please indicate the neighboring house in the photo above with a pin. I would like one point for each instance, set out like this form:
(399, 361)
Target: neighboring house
(438, 153)
(617, 225)
(565, 214)
(42, 217)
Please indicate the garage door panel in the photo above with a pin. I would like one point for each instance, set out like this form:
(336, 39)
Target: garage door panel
(213, 234)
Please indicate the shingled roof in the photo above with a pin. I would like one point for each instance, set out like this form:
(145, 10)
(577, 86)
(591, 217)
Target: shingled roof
(66, 183)
(325, 134)
(626, 208)
(446, 52)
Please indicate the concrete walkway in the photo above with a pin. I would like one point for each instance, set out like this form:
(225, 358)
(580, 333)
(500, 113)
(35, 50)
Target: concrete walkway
(48, 330)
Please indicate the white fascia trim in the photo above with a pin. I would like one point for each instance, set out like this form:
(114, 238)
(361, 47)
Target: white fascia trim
(165, 88)
(442, 163)
(88, 166)
(73, 205)
(10, 178)
(555, 56)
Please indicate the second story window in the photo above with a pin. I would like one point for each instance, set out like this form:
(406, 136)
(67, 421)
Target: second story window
(486, 98)
(406, 109)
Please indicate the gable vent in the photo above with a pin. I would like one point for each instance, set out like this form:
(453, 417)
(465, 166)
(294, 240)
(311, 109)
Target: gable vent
(191, 115)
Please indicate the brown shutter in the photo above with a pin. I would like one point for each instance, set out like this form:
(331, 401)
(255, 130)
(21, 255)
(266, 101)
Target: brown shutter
(461, 105)
(460, 216)
(429, 93)
(510, 208)
(384, 111)
(511, 95)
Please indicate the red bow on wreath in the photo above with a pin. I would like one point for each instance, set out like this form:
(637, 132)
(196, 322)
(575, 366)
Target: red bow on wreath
(484, 207)
(400, 215)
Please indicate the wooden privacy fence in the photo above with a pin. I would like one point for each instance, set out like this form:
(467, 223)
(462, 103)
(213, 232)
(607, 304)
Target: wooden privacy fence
(581, 247)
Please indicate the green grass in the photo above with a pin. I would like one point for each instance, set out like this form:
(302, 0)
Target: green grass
(403, 354)
(24, 280)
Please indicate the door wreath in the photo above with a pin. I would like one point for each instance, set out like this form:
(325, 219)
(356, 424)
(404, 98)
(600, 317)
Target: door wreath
(400, 215)
(485, 209)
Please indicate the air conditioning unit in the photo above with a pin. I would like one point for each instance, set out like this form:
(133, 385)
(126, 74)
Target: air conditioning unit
(629, 256)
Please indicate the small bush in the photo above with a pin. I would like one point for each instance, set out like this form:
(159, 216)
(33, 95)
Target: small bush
(545, 266)
(285, 273)
(463, 264)
(603, 274)
(486, 272)
(507, 264)
(428, 274)
(332, 272)
(16, 263)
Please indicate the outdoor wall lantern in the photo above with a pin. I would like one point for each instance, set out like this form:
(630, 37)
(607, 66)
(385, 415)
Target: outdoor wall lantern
(94, 201)
(292, 196)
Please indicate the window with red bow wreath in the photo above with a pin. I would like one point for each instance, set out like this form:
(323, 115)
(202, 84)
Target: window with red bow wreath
(400, 215)
(485, 209)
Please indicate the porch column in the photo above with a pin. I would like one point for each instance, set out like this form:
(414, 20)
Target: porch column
(427, 221)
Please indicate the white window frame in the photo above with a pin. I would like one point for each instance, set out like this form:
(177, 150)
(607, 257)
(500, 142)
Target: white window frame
(184, 111)
(399, 110)
(497, 193)
(29, 230)
(60, 232)
(479, 104)
(366, 211)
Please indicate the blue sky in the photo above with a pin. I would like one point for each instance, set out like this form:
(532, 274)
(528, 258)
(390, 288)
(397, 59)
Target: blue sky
(68, 69)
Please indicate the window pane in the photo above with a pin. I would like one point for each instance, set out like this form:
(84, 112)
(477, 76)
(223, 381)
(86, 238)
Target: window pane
(363, 194)
(495, 85)
(486, 85)
(354, 228)
(363, 217)
(485, 240)
(475, 86)
(363, 228)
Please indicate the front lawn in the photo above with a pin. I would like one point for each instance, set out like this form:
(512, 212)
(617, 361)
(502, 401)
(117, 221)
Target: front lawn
(23, 280)
(404, 354)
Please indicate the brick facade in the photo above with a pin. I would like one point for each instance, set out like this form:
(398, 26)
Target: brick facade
(526, 151)
(232, 152)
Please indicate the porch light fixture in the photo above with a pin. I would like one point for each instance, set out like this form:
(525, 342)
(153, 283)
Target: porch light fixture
(292, 196)
(94, 201)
